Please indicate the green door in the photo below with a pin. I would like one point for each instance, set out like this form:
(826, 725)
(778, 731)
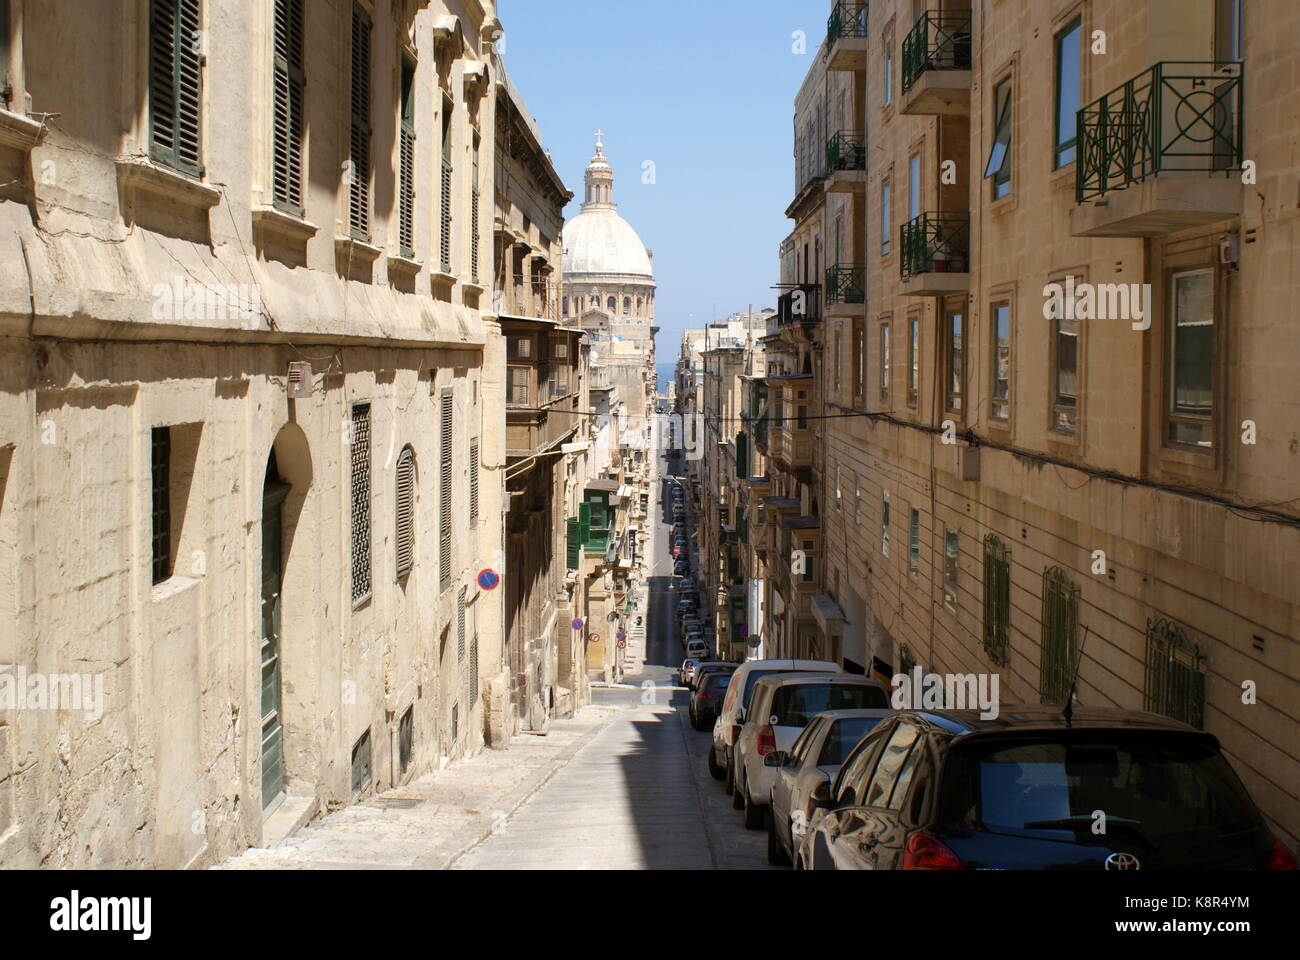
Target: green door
(272, 581)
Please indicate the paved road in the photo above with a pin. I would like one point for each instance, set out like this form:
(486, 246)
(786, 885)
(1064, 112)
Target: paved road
(639, 795)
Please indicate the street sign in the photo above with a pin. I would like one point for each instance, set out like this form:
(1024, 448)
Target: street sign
(619, 635)
(593, 638)
(576, 624)
(622, 644)
(488, 579)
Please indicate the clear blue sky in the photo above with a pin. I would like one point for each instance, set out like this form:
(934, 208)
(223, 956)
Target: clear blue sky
(705, 89)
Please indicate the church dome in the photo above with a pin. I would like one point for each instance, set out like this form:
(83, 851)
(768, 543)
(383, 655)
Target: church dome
(598, 241)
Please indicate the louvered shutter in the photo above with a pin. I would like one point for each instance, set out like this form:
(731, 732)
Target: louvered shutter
(460, 628)
(360, 492)
(289, 86)
(447, 170)
(742, 455)
(574, 544)
(473, 215)
(406, 198)
(359, 189)
(176, 84)
(473, 670)
(445, 489)
(405, 537)
(584, 523)
(473, 482)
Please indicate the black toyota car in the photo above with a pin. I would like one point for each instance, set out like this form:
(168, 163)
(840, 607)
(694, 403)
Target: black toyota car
(1033, 789)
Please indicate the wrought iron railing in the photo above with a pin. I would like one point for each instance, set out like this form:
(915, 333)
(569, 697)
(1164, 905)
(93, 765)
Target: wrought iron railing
(801, 304)
(848, 19)
(846, 283)
(935, 243)
(846, 150)
(1174, 116)
(1175, 676)
(941, 40)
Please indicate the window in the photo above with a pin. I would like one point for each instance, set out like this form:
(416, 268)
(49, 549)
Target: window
(859, 359)
(1228, 17)
(914, 362)
(914, 187)
(559, 350)
(406, 161)
(801, 417)
(1060, 635)
(406, 739)
(997, 599)
(1065, 379)
(176, 84)
(1191, 366)
(951, 558)
(517, 388)
(6, 85)
(359, 156)
(1175, 674)
(999, 164)
(565, 306)
(405, 513)
(810, 570)
(885, 220)
(447, 171)
(446, 460)
(557, 381)
(894, 771)
(521, 348)
(1001, 394)
(889, 70)
(611, 305)
(953, 343)
(839, 340)
(1069, 81)
(289, 86)
(914, 546)
(627, 305)
(473, 208)
(473, 481)
(884, 363)
(160, 486)
(360, 494)
(884, 523)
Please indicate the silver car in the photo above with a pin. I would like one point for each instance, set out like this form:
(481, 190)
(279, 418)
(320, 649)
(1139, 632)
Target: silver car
(814, 758)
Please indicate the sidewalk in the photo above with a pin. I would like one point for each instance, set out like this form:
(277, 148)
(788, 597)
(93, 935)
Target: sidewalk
(430, 822)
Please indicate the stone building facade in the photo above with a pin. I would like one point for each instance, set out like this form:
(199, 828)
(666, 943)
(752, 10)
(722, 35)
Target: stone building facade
(251, 450)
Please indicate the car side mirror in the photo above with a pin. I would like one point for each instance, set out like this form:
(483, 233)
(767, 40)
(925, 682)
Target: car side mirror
(776, 758)
(821, 796)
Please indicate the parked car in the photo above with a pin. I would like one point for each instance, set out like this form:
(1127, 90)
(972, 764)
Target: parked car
(781, 707)
(697, 648)
(814, 758)
(681, 568)
(737, 702)
(685, 605)
(684, 670)
(707, 698)
(687, 585)
(947, 790)
(711, 665)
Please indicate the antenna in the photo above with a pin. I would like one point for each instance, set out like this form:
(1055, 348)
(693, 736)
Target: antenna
(1068, 712)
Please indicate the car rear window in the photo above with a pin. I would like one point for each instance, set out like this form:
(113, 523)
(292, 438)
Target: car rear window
(843, 737)
(717, 681)
(1152, 786)
(797, 703)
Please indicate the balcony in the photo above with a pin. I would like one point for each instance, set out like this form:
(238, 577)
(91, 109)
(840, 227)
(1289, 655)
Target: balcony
(846, 289)
(846, 163)
(792, 445)
(937, 65)
(802, 304)
(935, 254)
(846, 35)
(1161, 153)
(531, 298)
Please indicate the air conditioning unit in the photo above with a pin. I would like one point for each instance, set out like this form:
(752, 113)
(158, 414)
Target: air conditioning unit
(298, 381)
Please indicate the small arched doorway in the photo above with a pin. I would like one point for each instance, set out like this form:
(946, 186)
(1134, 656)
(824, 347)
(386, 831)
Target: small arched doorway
(274, 492)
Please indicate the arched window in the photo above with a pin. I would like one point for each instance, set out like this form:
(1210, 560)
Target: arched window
(595, 300)
(405, 539)
(640, 312)
(566, 306)
(627, 304)
(611, 304)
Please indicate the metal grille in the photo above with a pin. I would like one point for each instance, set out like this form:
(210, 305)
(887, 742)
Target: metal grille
(175, 84)
(997, 599)
(473, 671)
(360, 427)
(460, 647)
(939, 41)
(359, 188)
(1175, 675)
(935, 243)
(162, 508)
(1060, 635)
(287, 107)
(473, 482)
(406, 203)
(405, 534)
(444, 488)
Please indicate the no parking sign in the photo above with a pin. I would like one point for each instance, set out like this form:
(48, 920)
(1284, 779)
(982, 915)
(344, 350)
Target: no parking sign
(577, 623)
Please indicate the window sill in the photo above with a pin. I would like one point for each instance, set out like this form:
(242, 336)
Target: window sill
(273, 220)
(350, 246)
(172, 587)
(1065, 174)
(19, 132)
(407, 265)
(473, 286)
(441, 276)
(1003, 205)
(140, 176)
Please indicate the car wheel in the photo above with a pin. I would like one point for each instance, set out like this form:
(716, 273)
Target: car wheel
(776, 854)
(753, 813)
(716, 770)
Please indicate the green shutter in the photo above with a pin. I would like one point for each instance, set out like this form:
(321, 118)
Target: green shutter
(584, 523)
(176, 84)
(574, 543)
(406, 172)
(742, 455)
(289, 82)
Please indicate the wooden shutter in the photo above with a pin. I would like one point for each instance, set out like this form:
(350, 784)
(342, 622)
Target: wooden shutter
(460, 628)
(444, 487)
(176, 84)
(405, 537)
(287, 107)
(473, 482)
(406, 198)
(573, 543)
(359, 190)
(447, 170)
(360, 494)
(473, 215)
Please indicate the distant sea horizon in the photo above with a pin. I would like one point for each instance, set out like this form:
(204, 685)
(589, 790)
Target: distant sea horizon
(665, 371)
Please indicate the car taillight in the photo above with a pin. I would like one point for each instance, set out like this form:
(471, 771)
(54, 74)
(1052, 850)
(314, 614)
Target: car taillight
(1281, 858)
(924, 852)
(704, 695)
(766, 740)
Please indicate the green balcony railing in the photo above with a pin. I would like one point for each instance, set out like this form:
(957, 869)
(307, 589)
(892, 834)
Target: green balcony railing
(848, 19)
(847, 150)
(846, 283)
(1174, 116)
(935, 243)
(941, 40)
